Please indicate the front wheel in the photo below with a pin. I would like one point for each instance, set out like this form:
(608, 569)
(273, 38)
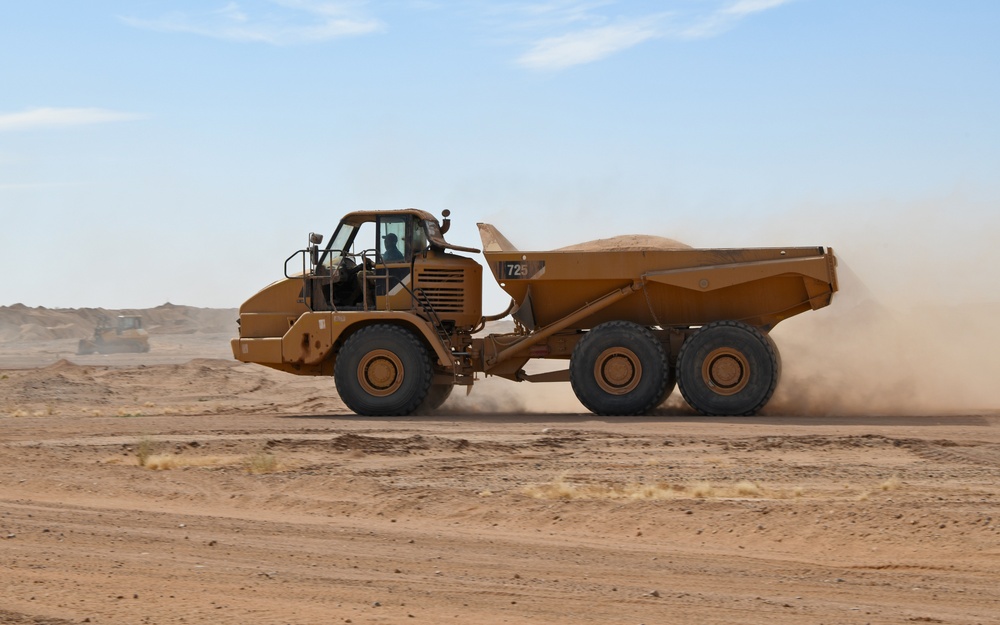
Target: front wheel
(436, 396)
(383, 370)
(619, 368)
(728, 368)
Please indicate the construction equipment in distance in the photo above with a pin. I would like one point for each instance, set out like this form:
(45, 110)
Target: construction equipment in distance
(126, 334)
(395, 316)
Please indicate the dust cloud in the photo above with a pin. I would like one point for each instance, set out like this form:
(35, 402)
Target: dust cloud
(493, 395)
(859, 356)
(913, 330)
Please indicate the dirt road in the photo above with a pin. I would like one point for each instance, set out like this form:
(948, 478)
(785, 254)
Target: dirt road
(261, 500)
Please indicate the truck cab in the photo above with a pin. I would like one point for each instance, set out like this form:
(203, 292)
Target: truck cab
(393, 261)
(391, 270)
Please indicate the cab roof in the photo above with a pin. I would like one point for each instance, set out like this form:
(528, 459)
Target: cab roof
(434, 234)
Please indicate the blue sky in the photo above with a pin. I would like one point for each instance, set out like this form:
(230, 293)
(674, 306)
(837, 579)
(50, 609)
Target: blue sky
(178, 151)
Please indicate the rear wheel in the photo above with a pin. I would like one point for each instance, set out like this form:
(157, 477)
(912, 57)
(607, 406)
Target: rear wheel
(383, 370)
(728, 368)
(619, 368)
(669, 387)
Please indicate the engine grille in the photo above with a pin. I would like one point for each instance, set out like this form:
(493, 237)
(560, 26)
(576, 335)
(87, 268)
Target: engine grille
(444, 288)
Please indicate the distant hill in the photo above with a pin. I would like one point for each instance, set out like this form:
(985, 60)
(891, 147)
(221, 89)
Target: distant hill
(22, 323)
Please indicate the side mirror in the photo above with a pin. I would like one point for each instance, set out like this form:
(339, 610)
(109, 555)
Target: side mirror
(314, 241)
(445, 223)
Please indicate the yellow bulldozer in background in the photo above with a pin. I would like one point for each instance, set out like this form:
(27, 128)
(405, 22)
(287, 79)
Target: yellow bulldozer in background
(395, 316)
(125, 334)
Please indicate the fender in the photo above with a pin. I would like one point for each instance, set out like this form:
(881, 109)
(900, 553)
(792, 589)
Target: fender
(312, 337)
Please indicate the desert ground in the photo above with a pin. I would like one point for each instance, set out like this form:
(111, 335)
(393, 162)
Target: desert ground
(179, 486)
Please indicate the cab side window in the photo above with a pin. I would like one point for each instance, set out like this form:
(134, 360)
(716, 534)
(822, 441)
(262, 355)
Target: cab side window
(392, 240)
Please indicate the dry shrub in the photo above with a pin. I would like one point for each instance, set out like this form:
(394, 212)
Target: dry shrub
(561, 489)
(144, 450)
(163, 462)
(893, 483)
(558, 489)
(702, 490)
(261, 463)
(748, 489)
(256, 464)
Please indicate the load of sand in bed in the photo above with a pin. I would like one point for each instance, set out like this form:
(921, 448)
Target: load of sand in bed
(627, 242)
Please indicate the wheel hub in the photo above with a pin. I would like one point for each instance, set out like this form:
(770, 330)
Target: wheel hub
(380, 373)
(617, 370)
(726, 371)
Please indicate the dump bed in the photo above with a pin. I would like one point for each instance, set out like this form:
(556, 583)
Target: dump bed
(680, 287)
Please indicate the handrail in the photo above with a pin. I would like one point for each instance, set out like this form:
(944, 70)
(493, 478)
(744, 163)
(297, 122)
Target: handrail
(294, 254)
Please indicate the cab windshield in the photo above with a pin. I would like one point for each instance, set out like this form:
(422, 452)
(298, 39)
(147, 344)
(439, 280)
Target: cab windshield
(338, 245)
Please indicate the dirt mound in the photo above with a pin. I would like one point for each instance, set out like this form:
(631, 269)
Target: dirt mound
(627, 242)
(24, 324)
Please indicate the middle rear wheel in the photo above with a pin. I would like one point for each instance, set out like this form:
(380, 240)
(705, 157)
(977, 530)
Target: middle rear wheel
(619, 368)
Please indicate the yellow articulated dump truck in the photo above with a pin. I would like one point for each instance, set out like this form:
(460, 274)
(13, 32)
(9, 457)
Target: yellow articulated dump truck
(394, 313)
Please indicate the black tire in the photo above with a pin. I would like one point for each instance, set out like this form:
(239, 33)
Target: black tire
(618, 369)
(669, 387)
(383, 370)
(728, 368)
(436, 396)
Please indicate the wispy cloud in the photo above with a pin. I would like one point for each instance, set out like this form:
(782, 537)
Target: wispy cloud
(61, 117)
(277, 22)
(584, 31)
(746, 7)
(586, 46)
(724, 18)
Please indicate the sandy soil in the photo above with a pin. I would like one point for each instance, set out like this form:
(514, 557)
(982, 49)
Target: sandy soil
(262, 500)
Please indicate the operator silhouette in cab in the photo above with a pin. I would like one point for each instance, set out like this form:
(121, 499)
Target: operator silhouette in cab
(392, 253)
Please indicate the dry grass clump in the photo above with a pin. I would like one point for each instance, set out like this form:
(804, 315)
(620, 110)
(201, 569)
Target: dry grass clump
(255, 464)
(164, 462)
(261, 463)
(893, 483)
(561, 489)
(144, 450)
(25, 412)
